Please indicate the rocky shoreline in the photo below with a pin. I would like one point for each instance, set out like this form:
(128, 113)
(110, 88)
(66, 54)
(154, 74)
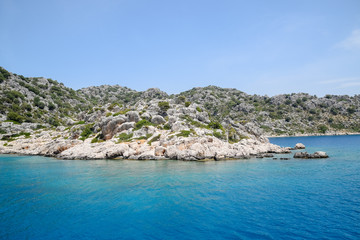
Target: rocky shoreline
(315, 134)
(189, 149)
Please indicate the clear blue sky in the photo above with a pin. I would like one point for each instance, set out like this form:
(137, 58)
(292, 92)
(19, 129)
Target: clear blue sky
(262, 47)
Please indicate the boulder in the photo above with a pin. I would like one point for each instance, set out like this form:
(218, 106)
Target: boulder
(320, 154)
(126, 126)
(110, 127)
(132, 116)
(157, 119)
(159, 151)
(146, 116)
(301, 155)
(299, 146)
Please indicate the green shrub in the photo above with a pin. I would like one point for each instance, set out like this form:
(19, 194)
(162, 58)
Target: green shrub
(122, 112)
(334, 111)
(38, 103)
(219, 135)
(4, 73)
(154, 139)
(54, 121)
(164, 106)
(167, 127)
(312, 111)
(14, 95)
(215, 125)
(351, 110)
(186, 133)
(199, 109)
(187, 104)
(193, 122)
(322, 128)
(26, 107)
(32, 88)
(149, 135)
(123, 137)
(181, 99)
(111, 107)
(86, 132)
(142, 123)
(13, 116)
(2, 78)
(51, 106)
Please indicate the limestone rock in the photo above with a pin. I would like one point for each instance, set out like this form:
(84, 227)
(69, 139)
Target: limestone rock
(157, 119)
(133, 116)
(306, 155)
(299, 146)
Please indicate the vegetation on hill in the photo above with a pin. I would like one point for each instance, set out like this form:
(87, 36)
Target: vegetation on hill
(47, 102)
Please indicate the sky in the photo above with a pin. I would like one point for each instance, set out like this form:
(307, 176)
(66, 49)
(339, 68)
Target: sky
(256, 46)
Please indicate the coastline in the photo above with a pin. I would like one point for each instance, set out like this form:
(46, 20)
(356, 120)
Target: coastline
(315, 134)
(177, 148)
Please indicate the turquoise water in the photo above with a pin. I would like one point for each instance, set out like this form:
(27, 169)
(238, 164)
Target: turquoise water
(45, 198)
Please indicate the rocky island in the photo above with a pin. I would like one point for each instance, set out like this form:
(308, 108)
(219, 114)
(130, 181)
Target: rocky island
(39, 116)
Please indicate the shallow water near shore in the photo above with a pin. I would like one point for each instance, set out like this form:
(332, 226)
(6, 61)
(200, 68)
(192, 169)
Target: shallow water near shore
(46, 198)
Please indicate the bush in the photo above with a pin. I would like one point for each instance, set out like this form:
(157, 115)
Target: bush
(4, 73)
(218, 135)
(199, 109)
(13, 116)
(148, 135)
(142, 123)
(2, 78)
(86, 132)
(334, 111)
(26, 107)
(164, 106)
(14, 95)
(187, 104)
(322, 128)
(181, 99)
(312, 111)
(184, 133)
(51, 106)
(38, 103)
(351, 110)
(154, 139)
(215, 125)
(54, 122)
(123, 137)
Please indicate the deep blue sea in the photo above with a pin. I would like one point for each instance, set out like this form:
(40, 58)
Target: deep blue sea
(46, 198)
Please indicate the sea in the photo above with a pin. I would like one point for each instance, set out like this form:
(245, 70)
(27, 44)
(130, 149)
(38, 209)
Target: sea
(47, 198)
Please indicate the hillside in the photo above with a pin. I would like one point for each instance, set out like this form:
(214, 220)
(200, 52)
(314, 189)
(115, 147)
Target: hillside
(38, 102)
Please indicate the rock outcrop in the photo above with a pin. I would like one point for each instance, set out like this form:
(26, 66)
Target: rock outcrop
(306, 155)
(299, 146)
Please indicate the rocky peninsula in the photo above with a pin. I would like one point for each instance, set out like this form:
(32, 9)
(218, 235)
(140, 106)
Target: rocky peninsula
(40, 116)
(158, 130)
